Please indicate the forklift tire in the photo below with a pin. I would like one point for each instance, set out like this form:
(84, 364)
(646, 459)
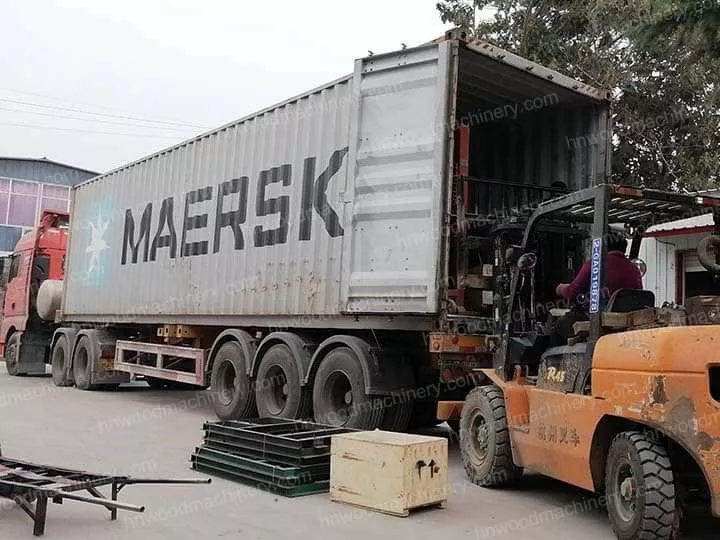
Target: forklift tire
(640, 489)
(82, 365)
(340, 398)
(11, 355)
(278, 390)
(230, 386)
(59, 362)
(485, 439)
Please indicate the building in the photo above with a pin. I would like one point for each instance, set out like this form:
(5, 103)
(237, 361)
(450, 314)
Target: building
(670, 251)
(27, 187)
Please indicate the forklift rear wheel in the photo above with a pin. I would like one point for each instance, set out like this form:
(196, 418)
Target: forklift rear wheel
(485, 439)
(231, 388)
(640, 489)
(11, 355)
(59, 362)
(278, 392)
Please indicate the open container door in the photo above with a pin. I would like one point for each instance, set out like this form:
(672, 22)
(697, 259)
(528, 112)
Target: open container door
(397, 164)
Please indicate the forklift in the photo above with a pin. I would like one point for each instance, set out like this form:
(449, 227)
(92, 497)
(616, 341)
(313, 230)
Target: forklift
(629, 405)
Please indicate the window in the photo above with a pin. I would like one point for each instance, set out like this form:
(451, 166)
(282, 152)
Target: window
(14, 267)
(23, 203)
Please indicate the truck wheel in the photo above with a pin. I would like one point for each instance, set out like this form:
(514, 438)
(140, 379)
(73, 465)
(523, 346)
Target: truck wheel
(231, 388)
(278, 392)
(339, 393)
(59, 362)
(82, 365)
(397, 416)
(11, 355)
(640, 489)
(485, 439)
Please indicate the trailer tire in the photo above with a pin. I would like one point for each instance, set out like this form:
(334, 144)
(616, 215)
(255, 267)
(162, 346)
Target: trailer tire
(278, 389)
(339, 394)
(485, 439)
(397, 416)
(640, 489)
(230, 385)
(82, 365)
(59, 362)
(11, 354)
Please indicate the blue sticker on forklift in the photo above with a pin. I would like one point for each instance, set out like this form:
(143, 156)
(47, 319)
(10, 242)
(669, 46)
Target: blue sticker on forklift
(595, 275)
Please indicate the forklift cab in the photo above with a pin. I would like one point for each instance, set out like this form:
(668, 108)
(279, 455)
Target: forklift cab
(580, 221)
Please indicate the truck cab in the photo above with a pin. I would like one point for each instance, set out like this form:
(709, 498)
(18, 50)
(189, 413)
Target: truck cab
(39, 255)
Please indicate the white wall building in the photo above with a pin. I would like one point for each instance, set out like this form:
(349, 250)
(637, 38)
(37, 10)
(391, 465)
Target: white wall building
(669, 250)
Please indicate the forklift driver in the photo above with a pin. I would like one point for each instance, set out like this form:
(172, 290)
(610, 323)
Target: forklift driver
(619, 273)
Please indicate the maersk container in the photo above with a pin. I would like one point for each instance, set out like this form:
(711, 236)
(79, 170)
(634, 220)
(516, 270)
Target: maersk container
(331, 209)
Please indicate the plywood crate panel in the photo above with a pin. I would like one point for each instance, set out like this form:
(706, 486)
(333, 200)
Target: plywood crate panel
(387, 471)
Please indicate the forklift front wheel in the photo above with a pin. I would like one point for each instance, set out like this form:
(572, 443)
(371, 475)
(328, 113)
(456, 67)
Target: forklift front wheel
(485, 439)
(640, 488)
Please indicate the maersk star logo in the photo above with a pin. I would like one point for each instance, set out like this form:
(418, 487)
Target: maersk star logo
(97, 242)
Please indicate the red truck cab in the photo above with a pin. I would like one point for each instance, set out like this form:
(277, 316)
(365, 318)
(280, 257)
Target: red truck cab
(38, 255)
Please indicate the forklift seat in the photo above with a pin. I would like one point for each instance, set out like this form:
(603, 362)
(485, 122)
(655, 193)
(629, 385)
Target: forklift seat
(628, 300)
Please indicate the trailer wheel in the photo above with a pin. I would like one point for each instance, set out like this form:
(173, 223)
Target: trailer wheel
(231, 388)
(485, 439)
(278, 392)
(397, 416)
(11, 355)
(59, 362)
(339, 394)
(640, 489)
(82, 365)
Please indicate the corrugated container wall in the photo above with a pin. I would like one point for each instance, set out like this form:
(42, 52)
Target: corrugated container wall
(250, 195)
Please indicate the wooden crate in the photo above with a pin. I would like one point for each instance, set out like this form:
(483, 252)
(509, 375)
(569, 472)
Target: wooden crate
(388, 472)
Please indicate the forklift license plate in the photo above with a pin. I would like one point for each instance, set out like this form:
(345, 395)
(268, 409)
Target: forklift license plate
(595, 275)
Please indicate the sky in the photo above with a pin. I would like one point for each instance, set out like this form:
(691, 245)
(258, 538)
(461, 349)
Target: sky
(98, 84)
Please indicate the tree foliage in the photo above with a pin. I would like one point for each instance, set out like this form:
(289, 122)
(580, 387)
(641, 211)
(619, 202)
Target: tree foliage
(687, 23)
(666, 98)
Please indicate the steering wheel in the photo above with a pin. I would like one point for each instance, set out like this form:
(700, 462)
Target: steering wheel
(528, 261)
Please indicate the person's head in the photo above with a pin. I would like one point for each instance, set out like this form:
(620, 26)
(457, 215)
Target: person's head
(617, 242)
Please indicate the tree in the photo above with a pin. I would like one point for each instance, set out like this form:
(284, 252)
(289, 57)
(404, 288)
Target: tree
(666, 100)
(688, 23)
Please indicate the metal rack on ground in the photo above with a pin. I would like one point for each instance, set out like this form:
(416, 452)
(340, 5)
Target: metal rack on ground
(32, 485)
(288, 457)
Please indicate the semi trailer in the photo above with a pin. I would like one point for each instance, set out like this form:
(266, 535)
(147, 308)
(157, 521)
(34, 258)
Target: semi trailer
(338, 256)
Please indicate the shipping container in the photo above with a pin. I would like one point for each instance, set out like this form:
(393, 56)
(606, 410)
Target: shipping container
(362, 215)
(330, 203)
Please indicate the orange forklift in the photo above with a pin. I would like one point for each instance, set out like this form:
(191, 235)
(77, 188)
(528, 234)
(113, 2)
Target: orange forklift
(629, 405)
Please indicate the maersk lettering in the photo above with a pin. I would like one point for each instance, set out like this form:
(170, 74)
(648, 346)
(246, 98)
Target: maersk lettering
(234, 218)
(199, 221)
(267, 207)
(129, 234)
(229, 215)
(314, 194)
(168, 240)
